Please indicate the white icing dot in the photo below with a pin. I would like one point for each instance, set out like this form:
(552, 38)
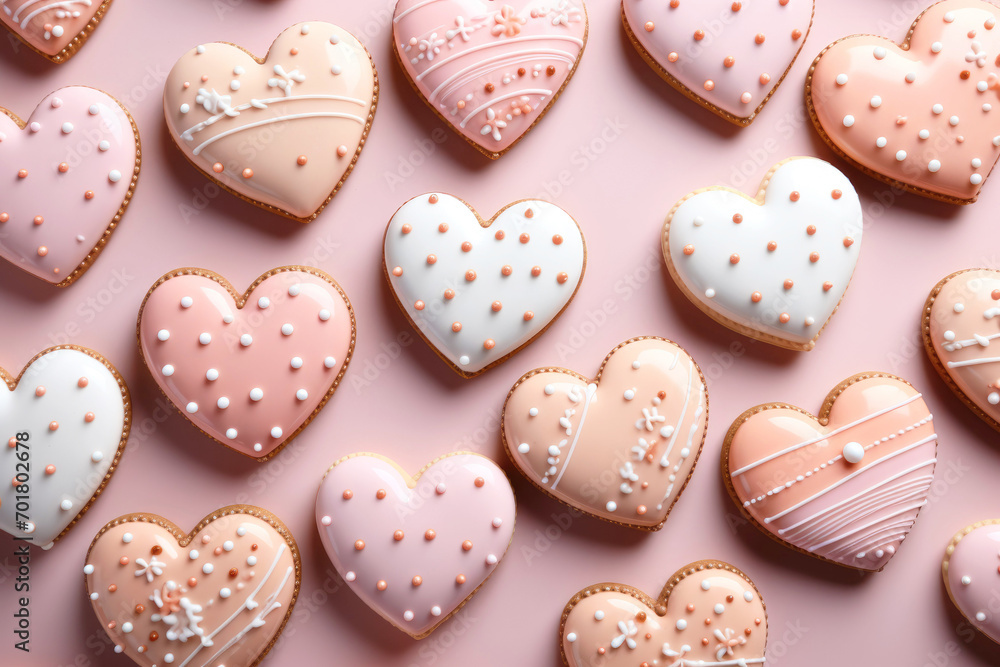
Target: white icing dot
(435, 610)
(681, 624)
(223, 403)
(163, 335)
(629, 394)
(167, 370)
(611, 506)
(324, 314)
(976, 179)
(841, 79)
(959, 307)
(67, 127)
(296, 362)
(980, 616)
(227, 545)
(186, 302)
(949, 335)
(238, 70)
(330, 362)
(231, 433)
(966, 580)
(993, 398)
(976, 163)
(910, 77)
(463, 360)
(953, 121)
(938, 108)
(710, 293)
(934, 165)
(924, 134)
(94, 596)
(205, 338)
(126, 538)
(881, 142)
(524, 448)
(571, 637)
(549, 390)
(853, 452)
(114, 176)
(748, 596)
(263, 302)
(251, 560)
(224, 593)
(599, 615)
(666, 431)
(126, 627)
(191, 407)
(185, 108)
(234, 85)
(97, 457)
(848, 120)
(287, 329)
(326, 520)
(294, 290)
(719, 608)
(407, 615)
(706, 585)
(876, 102)
(246, 340)
(533, 412)
(900, 155)
(936, 47)
(491, 559)
(93, 110)
(276, 432)
(302, 394)
(211, 375)
(879, 52)
(207, 568)
(66, 505)
(256, 394)
(88, 569)
(104, 145)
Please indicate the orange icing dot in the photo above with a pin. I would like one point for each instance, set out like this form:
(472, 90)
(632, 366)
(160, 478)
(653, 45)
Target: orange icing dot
(784, 317)
(380, 494)
(734, 258)
(562, 277)
(528, 315)
(418, 305)
(301, 160)
(456, 326)
(433, 199)
(756, 297)
(467, 545)
(689, 249)
(430, 534)
(359, 545)
(398, 535)
(489, 344)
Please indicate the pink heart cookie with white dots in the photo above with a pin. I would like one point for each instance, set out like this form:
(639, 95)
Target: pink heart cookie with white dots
(729, 57)
(960, 331)
(709, 613)
(490, 69)
(480, 290)
(284, 131)
(219, 595)
(621, 447)
(971, 571)
(56, 30)
(70, 170)
(919, 115)
(415, 549)
(65, 419)
(251, 370)
(774, 267)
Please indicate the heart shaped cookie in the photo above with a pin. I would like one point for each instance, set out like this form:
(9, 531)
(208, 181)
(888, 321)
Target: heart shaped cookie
(620, 447)
(72, 168)
(916, 115)
(709, 613)
(729, 57)
(220, 594)
(415, 549)
(55, 30)
(845, 486)
(66, 419)
(773, 268)
(960, 327)
(971, 571)
(480, 290)
(490, 69)
(251, 370)
(282, 132)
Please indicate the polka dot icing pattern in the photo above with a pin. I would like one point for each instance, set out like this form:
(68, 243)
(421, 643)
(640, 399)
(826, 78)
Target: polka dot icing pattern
(478, 291)
(69, 174)
(971, 571)
(920, 116)
(65, 421)
(638, 428)
(317, 81)
(728, 56)
(961, 327)
(709, 614)
(489, 69)
(855, 479)
(218, 595)
(773, 268)
(54, 29)
(249, 370)
(415, 549)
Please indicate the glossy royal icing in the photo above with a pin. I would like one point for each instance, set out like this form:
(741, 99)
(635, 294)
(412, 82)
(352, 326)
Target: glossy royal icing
(478, 291)
(54, 28)
(708, 615)
(845, 488)
(490, 69)
(250, 370)
(773, 268)
(922, 115)
(65, 421)
(70, 172)
(620, 447)
(971, 571)
(415, 549)
(218, 596)
(284, 131)
(728, 56)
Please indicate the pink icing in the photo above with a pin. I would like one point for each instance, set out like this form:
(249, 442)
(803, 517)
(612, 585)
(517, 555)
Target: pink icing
(796, 478)
(463, 502)
(316, 88)
(490, 69)
(731, 55)
(69, 172)
(620, 447)
(200, 612)
(971, 572)
(921, 115)
(251, 376)
(711, 615)
(51, 25)
(963, 331)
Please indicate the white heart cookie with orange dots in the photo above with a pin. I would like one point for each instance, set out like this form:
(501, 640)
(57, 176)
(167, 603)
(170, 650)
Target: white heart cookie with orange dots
(774, 267)
(65, 419)
(480, 290)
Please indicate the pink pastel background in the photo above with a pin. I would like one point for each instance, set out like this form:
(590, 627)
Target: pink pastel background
(617, 150)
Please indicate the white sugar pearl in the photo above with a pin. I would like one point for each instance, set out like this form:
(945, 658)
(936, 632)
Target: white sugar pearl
(938, 108)
(953, 121)
(976, 163)
(67, 127)
(853, 452)
(841, 79)
(246, 340)
(211, 375)
(223, 403)
(205, 338)
(94, 596)
(599, 615)
(549, 390)
(207, 568)
(636, 365)
(126, 627)
(227, 318)
(959, 307)
(302, 394)
(104, 146)
(276, 432)
(571, 637)
(294, 290)
(934, 165)
(936, 47)
(524, 448)
(491, 559)
(114, 176)
(256, 394)
(326, 520)
(186, 302)
(435, 610)
(93, 110)
(227, 545)
(296, 362)
(350, 576)
(126, 538)
(681, 624)
(881, 142)
(263, 302)
(900, 155)
(193, 554)
(876, 102)
(163, 335)
(329, 362)
(719, 608)
(910, 77)
(224, 593)
(710, 293)
(324, 314)
(287, 329)
(234, 85)
(251, 560)
(706, 585)
(242, 530)
(191, 407)
(982, 86)
(611, 506)
(980, 616)
(879, 52)
(848, 120)
(533, 412)
(748, 596)
(232, 433)
(463, 360)
(924, 134)
(66, 505)
(97, 457)
(88, 569)
(949, 17)
(996, 140)
(407, 615)
(975, 179)
(167, 370)
(629, 394)
(993, 398)
(185, 108)
(497, 522)
(966, 580)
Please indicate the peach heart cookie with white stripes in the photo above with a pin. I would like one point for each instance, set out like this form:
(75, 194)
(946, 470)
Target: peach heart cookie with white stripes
(220, 594)
(960, 331)
(250, 370)
(491, 70)
(480, 290)
(415, 548)
(284, 131)
(971, 571)
(66, 419)
(846, 486)
(70, 171)
(637, 428)
(774, 267)
(709, 613)
(729, 57)
(918, 115)
(55, 30)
